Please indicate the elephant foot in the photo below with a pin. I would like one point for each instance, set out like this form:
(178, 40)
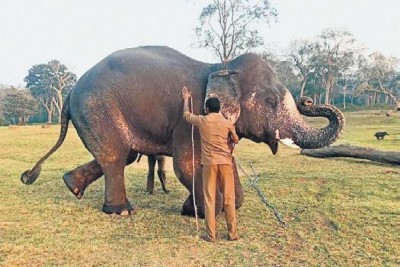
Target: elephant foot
(78, 179)
(122, 209)
(188, 208)
(75, 183)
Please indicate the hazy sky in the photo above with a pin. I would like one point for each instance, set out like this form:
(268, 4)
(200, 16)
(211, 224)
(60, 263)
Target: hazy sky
(80, 33)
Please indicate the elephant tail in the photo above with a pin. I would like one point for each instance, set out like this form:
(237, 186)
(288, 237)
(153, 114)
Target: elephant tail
(30, 176)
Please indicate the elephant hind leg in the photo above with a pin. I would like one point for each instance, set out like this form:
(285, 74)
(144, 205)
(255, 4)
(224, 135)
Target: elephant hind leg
(115, 192)
(81, 177)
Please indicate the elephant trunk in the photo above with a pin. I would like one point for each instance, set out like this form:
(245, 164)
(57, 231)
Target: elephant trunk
(306, 136)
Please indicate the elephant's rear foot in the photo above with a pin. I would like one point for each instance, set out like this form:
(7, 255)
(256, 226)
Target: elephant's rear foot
(74, 184)
(123, 209)
(78, 179)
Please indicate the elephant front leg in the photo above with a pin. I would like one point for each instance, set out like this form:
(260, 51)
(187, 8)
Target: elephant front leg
(239, 196)
(115, 192)
(183, 166)
(188, 208)
(197, 195)
(80, 178)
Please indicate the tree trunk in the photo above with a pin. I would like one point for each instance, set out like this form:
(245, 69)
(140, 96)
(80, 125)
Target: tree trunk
(49, 109)
(303, 85)
(389, 157)
(48, 117)
(344, 97)
(60, 104)
(326, 95)
(328, 88)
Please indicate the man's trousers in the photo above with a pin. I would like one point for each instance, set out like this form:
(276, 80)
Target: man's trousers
(221, 175)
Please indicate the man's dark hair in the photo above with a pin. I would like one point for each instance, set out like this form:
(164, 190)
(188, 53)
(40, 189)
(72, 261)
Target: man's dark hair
(213, 105)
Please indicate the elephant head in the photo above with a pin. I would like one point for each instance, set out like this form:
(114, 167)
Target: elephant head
(224, 85)
(265, 111)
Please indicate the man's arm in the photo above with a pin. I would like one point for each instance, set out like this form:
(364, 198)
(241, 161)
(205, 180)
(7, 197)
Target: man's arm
(189, 117)
(232, 138)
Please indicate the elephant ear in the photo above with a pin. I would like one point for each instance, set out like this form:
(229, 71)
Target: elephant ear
(224, 85)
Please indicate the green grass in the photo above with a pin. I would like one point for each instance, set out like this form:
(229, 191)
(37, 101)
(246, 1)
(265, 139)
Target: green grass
(339, 211)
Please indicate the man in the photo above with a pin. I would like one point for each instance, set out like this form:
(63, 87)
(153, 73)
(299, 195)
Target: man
(217, 135)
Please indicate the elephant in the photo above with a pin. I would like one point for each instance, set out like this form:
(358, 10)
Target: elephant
(151, 161)
(130, 102)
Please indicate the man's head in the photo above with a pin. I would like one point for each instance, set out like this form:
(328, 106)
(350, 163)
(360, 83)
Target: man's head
(212, 105)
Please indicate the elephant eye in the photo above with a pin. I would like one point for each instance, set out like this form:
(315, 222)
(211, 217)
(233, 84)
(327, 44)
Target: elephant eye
(271, 101)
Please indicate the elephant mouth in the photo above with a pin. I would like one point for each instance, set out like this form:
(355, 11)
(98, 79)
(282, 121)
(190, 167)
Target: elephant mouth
(273, 141)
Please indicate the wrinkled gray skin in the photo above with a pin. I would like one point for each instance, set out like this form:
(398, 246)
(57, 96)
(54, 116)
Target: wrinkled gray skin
(130, 103)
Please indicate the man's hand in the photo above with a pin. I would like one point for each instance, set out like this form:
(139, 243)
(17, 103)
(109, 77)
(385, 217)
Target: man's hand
(186, 93)
(231, 144)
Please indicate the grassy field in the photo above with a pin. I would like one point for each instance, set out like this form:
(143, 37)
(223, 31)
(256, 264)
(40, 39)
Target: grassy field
(339, 212)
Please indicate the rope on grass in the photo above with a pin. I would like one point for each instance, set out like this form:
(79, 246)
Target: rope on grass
(253, 182)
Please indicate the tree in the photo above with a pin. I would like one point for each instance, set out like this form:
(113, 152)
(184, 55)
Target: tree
(300, 54)
(348, 82)
(49, 83)
(18, 106)
(334, 55)
(378, 75)
(227, 26)
(3, 92)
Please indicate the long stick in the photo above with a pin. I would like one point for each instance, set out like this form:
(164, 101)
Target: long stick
(193, 171)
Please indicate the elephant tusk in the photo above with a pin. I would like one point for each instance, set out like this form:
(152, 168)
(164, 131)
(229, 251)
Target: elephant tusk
(289, 142)
(277, 135)
(286, 141)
